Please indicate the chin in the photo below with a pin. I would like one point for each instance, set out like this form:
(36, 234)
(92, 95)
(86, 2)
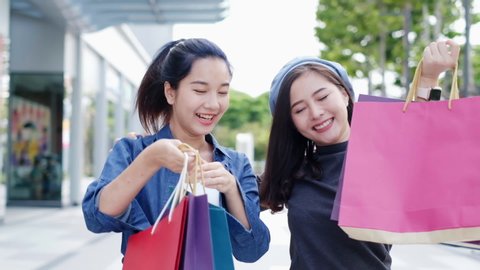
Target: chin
(204, 130)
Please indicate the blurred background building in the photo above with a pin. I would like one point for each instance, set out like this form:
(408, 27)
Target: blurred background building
(69, 71)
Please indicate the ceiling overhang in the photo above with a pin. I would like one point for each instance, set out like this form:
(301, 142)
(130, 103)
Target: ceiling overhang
(93, 15)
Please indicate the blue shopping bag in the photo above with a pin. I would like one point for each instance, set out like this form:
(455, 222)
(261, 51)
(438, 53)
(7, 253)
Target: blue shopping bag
(222, 247)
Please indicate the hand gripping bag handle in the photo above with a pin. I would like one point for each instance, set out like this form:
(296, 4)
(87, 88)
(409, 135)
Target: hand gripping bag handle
(412, 92)
(180, 189)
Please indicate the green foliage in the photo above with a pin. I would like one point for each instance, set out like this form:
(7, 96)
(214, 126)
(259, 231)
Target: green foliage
(246, 115)
(351, 31)
(3, 115)
(475, 18)
(476, 65)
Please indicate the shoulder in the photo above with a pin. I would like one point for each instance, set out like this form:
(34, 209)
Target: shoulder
(132, 146)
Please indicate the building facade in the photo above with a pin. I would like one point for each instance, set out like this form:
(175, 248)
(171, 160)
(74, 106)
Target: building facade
(69, 72)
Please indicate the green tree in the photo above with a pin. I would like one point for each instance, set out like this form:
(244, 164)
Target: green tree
(476, 66)
(246, 114)
(370, 35)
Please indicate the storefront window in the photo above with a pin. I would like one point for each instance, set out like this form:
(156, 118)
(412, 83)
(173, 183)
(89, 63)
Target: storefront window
(35, 135)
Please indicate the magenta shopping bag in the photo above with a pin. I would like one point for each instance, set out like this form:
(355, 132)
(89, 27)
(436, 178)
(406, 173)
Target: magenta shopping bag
(412, 174)
(338, 195)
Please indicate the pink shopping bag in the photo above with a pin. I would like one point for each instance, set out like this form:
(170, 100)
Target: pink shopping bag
(412, 175)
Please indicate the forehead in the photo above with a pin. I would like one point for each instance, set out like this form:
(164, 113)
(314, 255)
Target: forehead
(310, 81)
(205, 67)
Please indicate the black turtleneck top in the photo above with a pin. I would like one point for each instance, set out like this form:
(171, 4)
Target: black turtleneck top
(317, 242)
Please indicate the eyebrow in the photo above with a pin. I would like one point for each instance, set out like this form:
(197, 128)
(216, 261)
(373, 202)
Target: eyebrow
(314, 93)
(205, 83)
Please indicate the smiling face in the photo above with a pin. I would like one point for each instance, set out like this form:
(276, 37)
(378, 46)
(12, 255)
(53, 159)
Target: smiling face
(319, 109)
(201, 98)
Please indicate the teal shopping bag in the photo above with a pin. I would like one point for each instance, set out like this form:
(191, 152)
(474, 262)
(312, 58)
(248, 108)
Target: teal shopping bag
(222, 247)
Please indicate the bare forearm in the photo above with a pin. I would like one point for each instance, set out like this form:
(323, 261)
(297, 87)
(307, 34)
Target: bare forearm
(117, 195)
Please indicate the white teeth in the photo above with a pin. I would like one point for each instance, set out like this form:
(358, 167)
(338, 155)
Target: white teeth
(205, 116)
(324, 124)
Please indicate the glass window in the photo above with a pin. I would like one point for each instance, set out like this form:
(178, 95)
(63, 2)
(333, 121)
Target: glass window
(35, 152)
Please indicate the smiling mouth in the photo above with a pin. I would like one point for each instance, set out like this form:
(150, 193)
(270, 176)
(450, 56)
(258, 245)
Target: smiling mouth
(323, 125)
(205, 116)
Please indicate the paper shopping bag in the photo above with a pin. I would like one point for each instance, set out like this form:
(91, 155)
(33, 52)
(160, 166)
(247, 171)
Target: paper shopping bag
(222, 247)
(338, 195)
(161, 245)
(198, 252)
(411, 171)
(161, 249)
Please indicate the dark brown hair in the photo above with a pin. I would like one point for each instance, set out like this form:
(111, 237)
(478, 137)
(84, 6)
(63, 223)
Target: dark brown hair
(288, 150)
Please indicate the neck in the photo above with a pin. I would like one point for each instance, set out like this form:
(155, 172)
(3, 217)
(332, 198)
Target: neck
(197, 142)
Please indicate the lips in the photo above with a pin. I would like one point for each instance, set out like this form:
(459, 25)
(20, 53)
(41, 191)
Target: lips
(324, 125)
(204, 116)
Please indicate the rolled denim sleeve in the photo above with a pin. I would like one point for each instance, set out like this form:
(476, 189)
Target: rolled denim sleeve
(247, 245)
(134, 218)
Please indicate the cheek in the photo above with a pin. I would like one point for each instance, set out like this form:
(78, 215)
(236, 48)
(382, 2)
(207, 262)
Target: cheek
(298, 121)
(224, 103)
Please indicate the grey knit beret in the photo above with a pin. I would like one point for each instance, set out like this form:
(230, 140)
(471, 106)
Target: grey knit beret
(296, 62)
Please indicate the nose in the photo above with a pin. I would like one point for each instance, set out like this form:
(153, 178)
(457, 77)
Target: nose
(212, 101)
(316, 111)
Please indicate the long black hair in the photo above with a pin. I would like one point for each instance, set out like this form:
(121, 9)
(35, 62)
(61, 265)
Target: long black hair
(288, 150)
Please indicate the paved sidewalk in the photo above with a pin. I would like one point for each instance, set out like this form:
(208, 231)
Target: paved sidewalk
(54, 238)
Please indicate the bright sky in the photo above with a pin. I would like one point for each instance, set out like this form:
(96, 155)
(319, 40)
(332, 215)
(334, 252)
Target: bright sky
(259, 37)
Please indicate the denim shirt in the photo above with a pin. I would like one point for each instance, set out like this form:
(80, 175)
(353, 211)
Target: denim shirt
(247, 245)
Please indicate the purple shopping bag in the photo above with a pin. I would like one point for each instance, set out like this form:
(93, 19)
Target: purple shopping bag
(198, 250)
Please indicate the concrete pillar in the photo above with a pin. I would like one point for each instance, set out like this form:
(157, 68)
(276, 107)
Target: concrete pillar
(4, 48)
(245, 144)
(77, 142)
(134, 123)
(120, 110)
(100, 138)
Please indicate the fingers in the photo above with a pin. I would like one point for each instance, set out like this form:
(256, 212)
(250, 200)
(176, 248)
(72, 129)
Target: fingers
(175, 142)
(444, 52)
(191, 161)
(216, 176)
(438, 57)
(432, 50)
(454, 49)
(133, 135)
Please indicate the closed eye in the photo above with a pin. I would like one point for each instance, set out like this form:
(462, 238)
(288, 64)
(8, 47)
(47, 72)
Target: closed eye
(322, 98)
(299, 110)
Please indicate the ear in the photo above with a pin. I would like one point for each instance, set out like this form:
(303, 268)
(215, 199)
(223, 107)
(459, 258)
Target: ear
(169, 93)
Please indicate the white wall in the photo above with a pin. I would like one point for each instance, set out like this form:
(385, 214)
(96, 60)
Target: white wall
(36, 45)
(114, 47)
(4, 17)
